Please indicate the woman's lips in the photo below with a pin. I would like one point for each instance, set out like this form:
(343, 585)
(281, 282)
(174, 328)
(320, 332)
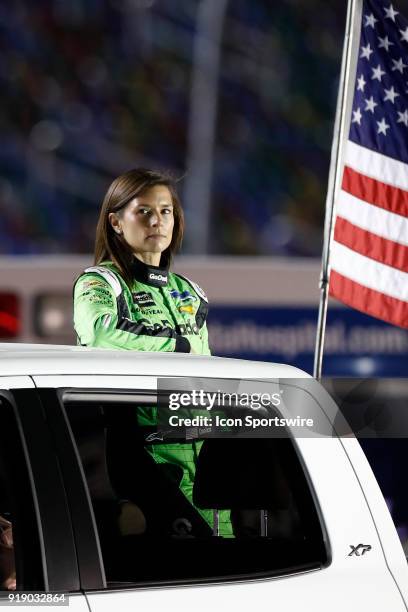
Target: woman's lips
(156, 236)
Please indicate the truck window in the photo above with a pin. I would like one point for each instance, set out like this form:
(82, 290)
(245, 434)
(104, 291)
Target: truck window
(183, 510)
(20, 561)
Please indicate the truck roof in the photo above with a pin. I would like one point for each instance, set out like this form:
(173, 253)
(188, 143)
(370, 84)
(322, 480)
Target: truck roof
(42, 359)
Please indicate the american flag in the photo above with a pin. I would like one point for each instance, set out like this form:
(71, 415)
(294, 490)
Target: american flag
(369, 251)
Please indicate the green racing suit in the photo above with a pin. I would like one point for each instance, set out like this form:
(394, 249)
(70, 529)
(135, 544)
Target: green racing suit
(159, 311)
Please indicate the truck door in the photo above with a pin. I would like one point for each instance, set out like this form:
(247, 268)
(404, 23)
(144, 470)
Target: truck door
(210, 523)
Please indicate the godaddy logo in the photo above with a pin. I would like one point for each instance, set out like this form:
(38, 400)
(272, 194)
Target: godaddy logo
(157, 277)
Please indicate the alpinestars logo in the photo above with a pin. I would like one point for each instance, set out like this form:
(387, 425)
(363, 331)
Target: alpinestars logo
(157, 277)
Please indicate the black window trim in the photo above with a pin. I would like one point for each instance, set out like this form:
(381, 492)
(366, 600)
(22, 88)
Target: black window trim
(89, 556)
(56, 569)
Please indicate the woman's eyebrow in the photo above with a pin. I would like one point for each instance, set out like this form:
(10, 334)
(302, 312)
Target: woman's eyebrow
(161, 203)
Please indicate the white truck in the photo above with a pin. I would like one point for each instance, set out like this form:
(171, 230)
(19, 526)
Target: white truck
(112, 508)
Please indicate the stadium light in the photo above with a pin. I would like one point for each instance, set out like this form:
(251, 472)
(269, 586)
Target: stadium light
(9, 315)
(53, 316)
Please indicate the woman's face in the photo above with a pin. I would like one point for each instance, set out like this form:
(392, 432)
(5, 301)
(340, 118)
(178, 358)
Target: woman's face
(146, 223)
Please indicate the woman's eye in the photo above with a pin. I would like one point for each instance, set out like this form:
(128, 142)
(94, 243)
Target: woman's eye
(143, 211)
(167, 211)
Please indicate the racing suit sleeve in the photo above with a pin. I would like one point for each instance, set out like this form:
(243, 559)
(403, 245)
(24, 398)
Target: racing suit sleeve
(204, 338)
(100, 320)
(203, 347)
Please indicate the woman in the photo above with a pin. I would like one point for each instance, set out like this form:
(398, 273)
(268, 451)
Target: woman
(130, 300)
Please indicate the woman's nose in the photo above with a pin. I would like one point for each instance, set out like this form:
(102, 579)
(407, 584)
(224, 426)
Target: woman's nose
(153, 218)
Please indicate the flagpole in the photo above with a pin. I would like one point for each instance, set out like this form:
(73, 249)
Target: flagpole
(343, 113)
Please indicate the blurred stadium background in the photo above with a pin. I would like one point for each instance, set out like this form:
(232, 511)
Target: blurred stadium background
(237, 99)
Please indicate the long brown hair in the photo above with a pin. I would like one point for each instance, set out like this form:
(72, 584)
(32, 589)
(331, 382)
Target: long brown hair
(111, 246)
